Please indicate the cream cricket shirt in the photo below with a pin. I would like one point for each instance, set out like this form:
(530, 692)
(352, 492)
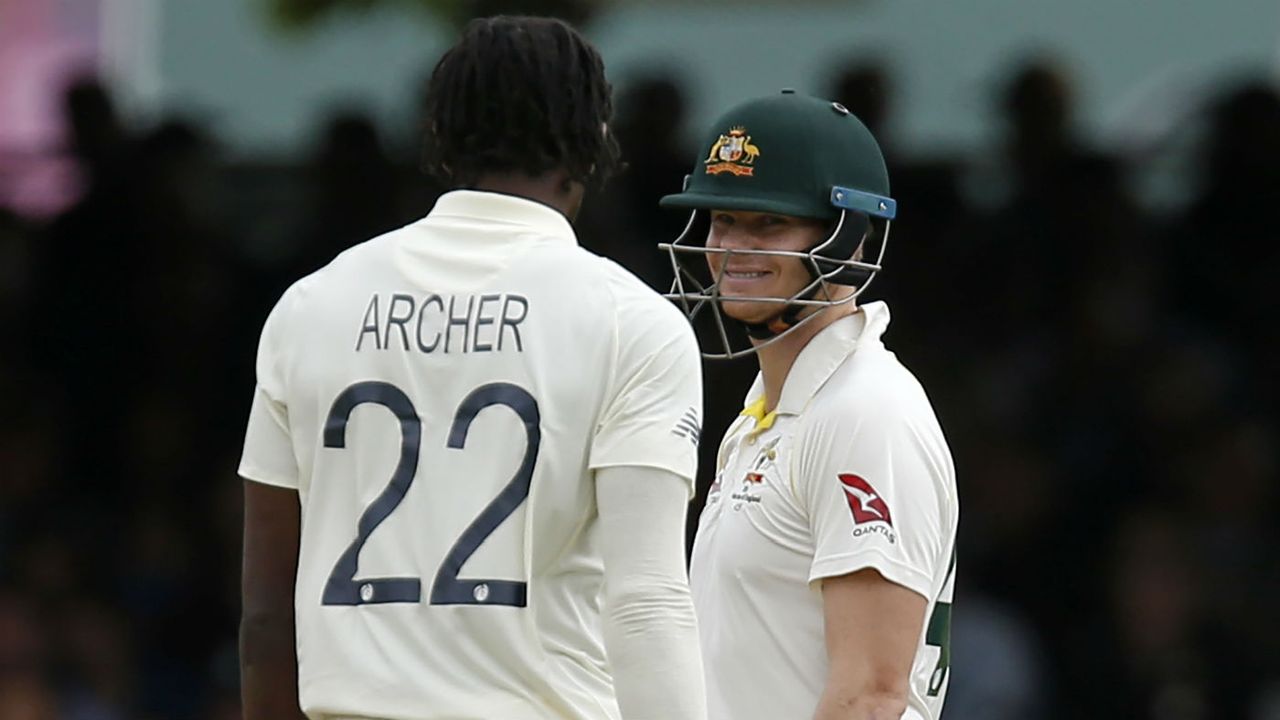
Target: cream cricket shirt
(850, 472)
(439, 397)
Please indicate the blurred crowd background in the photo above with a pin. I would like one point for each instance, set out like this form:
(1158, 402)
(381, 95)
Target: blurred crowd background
(1105, 367)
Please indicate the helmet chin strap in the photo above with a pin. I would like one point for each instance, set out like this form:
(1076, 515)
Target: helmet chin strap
(782, 321)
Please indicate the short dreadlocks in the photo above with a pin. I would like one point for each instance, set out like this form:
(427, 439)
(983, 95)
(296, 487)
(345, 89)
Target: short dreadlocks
(519, 94)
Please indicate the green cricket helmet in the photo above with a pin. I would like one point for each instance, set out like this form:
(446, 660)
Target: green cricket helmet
(788, 154)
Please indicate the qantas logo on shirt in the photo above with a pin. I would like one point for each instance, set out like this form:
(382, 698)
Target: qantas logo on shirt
(864, 502)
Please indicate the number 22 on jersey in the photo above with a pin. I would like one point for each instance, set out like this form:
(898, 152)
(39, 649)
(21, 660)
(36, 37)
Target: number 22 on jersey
(447, 589)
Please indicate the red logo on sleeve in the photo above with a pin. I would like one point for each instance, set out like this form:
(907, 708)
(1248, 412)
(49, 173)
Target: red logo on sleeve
(864, 502)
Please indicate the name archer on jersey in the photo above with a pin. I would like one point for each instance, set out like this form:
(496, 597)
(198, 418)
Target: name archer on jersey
(443, 323)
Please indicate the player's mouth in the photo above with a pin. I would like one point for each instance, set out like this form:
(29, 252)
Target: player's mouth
(741, 281)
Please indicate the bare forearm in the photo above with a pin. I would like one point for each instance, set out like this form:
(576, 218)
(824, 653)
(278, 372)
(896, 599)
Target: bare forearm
(268, 658)
(269, 669)
(866, 706)
(872, 626)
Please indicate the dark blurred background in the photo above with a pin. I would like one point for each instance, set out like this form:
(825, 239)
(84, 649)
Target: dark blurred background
(1093, 315)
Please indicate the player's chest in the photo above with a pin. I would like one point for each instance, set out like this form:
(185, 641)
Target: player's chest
(752, 498)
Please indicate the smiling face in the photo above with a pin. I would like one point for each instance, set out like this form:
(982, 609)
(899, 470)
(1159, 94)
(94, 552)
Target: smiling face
(753, 275)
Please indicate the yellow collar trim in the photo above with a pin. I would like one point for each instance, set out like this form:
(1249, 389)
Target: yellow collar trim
(756, 410)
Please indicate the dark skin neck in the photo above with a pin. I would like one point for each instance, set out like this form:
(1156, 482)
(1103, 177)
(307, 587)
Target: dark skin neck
(554, 189)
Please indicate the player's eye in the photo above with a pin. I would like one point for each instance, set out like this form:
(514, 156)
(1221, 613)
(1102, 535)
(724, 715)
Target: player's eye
(722, 219)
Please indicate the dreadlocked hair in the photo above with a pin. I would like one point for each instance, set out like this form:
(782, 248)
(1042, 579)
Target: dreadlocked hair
(519, 94)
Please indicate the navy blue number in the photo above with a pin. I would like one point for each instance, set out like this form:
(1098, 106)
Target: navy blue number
(341, 588)
(447, 588)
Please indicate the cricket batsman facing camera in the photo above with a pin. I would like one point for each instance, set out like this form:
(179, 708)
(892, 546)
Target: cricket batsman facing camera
(824, 562)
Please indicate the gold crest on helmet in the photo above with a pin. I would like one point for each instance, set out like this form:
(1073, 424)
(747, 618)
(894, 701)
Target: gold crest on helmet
(732, 153)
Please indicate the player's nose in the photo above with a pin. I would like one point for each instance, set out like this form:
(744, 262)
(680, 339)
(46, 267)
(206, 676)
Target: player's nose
(737, 238)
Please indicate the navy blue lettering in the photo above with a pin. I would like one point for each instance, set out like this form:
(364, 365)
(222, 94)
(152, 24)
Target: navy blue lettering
(511, 320)
(370, 325)
(432, 299)
(393, 319)
(464, 322)
(482, 325)
(482, 320)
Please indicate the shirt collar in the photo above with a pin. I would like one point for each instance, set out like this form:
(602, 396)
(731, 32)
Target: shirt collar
(817, 361)
(499, 208)
(755, 411)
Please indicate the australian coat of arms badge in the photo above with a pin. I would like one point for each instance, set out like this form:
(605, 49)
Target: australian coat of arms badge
(732, 153)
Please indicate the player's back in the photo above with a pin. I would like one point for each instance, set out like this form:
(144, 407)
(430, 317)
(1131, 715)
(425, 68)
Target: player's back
(445, 386)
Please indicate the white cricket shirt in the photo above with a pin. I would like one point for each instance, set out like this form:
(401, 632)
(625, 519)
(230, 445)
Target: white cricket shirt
(850, 471)
(439, 397)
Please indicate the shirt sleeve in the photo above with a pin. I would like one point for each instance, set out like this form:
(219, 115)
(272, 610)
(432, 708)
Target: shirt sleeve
(268, 448)
(650, 630)
(653, 413)
(875, 498)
